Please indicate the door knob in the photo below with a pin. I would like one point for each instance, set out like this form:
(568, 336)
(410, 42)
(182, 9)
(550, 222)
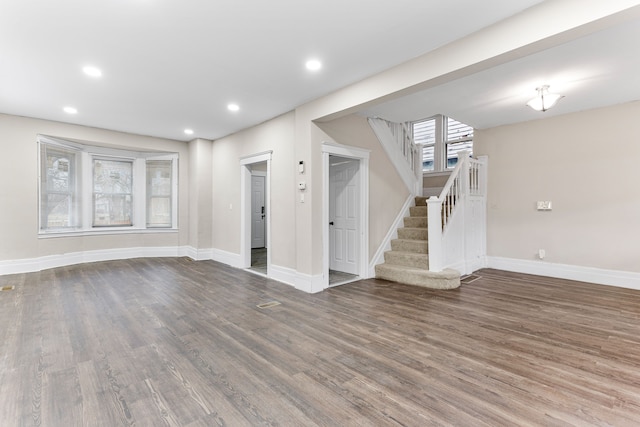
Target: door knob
(331, 223)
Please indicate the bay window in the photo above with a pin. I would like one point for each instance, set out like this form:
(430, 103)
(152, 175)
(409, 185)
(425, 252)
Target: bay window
(87, 188)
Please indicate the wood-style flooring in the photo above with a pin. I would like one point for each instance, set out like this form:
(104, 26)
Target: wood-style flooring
(153, 342)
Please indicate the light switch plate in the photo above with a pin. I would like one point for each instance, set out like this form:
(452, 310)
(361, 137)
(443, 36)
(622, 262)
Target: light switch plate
(544, 205)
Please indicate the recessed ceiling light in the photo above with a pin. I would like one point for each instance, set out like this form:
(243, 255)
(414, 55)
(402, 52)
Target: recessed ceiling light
(233, 107)
(92, 71)
(70, 110)
(188, 131)
(313, 65)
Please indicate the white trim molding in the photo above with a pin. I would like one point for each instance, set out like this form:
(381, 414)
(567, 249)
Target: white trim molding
(362, 155)
(245, 206)
(29, 265)
(288, 276)
(385, 245)
(622, 279)
(224, 257)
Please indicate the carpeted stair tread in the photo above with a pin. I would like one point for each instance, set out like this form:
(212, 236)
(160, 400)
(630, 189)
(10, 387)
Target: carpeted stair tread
(445, 279)
(410, 245)
(407, 259)
(415, 221)
(410, 233)
(421, 201)
(418, 211)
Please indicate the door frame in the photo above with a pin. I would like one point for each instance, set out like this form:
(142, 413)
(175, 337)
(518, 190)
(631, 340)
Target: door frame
(362, 155)
(245, 207)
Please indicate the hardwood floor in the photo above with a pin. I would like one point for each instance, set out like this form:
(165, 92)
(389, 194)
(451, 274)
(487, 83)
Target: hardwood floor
(151, 342)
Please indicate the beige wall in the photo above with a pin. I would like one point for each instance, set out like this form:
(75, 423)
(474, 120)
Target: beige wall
(200, 194)
(19, 190)
(387, 192)
(497, 44)
(435, 180)
(586, 164)
(276, 135)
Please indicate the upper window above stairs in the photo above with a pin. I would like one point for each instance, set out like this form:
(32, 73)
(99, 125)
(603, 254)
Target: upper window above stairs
(442, 138)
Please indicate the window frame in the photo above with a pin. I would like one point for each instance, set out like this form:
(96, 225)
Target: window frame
(72, 193)
(173, 208)
(95, 194)
(86, 153)
(447, 142)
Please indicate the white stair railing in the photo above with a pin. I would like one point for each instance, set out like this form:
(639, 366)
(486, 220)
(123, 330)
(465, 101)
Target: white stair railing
(406, 156)
(457, 218)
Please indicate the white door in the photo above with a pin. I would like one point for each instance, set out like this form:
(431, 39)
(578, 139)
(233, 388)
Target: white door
(257, 211)
(344, 209)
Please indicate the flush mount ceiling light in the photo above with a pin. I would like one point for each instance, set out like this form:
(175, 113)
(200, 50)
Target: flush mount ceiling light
(544, 100)
(70, 110)
(92, 71)
(233, 107)
(188, 131)
(313, 65)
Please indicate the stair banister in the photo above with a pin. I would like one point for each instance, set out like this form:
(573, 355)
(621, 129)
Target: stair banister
(434, 231)
(404, 153)
(439, 209)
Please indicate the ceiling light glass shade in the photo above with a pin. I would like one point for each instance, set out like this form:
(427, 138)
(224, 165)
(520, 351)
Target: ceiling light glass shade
(233, 107)
(544, 100)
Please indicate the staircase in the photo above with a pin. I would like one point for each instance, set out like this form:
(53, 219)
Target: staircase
(408, 260)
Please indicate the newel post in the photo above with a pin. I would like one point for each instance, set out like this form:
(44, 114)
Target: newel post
(463, 158)
(434, 229)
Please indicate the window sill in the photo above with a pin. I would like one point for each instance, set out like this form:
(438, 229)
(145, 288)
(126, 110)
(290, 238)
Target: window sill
(103, 232)
(437, 173)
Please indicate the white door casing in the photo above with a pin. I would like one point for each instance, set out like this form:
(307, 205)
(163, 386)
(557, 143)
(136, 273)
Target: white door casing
(245, 207)
(258, 211)
(344, 214)
(362, 156)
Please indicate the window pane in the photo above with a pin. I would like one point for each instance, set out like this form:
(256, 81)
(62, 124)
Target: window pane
(457, 130)
(454, 149)
(112, 192)
(111, 210)
(428, 154)
(57, 211)
(159, 193)
(424, 132)
(159, 212)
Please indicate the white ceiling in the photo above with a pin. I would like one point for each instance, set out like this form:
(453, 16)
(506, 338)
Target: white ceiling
(175, 64)
(593, 71)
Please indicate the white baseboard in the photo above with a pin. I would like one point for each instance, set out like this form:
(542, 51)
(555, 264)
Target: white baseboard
(29, 265)
(289, 276)
(385, 245)
(283, 274)
(468, 267)
(309, 283)
(623, 279)
(229, 258)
